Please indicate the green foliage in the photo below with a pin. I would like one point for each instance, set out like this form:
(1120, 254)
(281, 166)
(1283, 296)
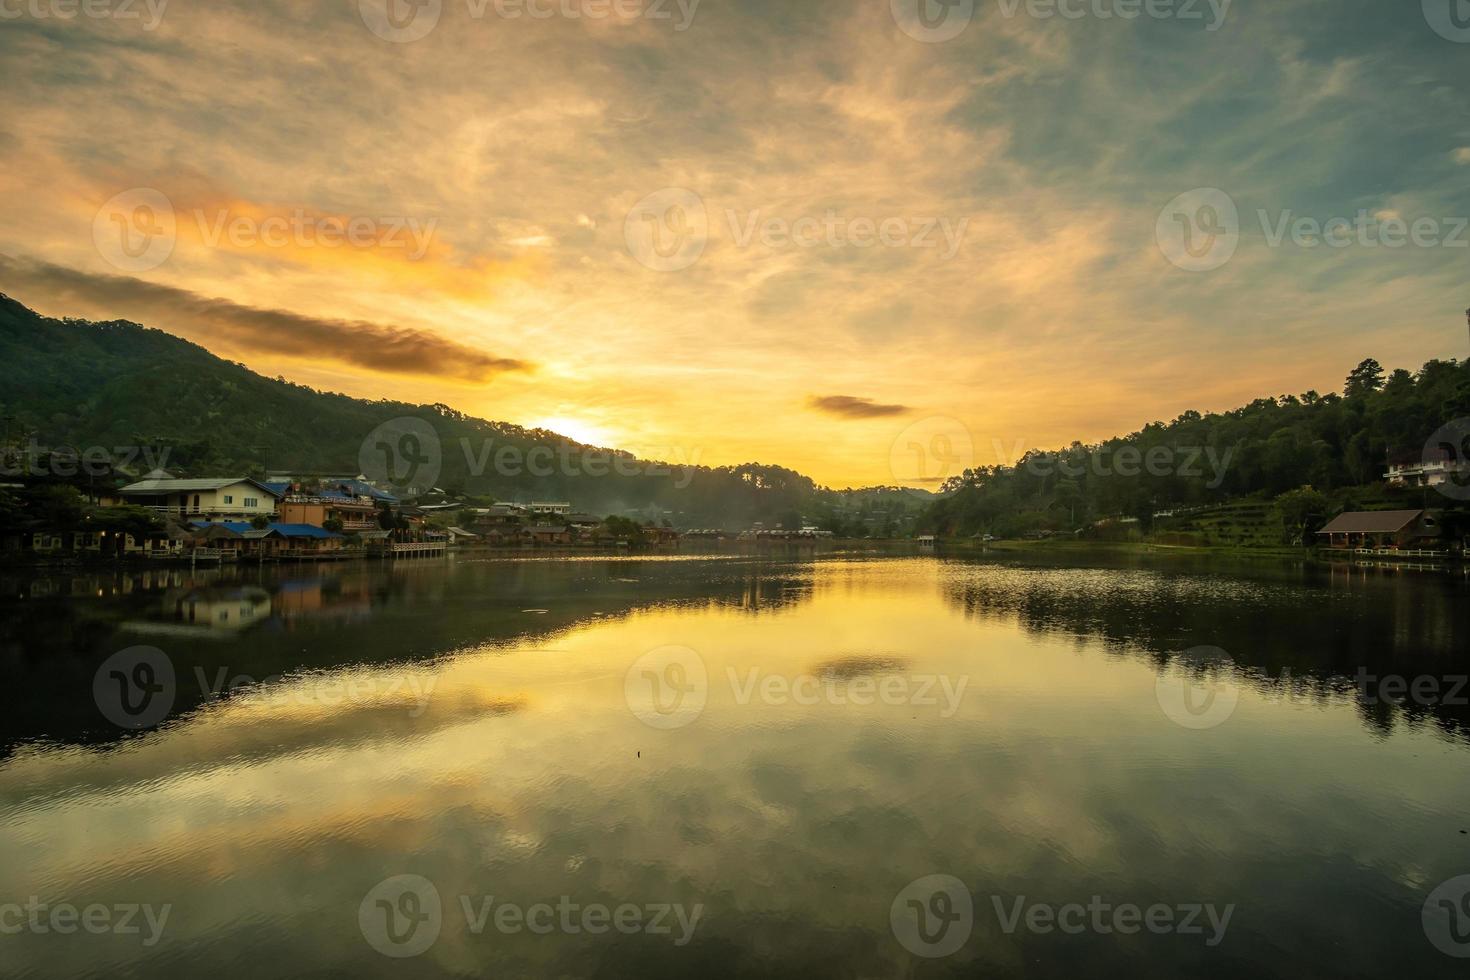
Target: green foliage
(118, 384)
(1303, 513)
(124, 519)
(623, 529)
(1364, 379)
(55, 506)
(1267, 449)
(13, 514)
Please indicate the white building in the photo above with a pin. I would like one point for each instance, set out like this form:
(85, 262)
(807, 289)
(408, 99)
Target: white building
(545, 507)
(1434, 469)
(224, 498)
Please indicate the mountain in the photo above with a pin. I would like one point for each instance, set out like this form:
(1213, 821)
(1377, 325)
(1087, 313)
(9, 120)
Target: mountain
(118, 384)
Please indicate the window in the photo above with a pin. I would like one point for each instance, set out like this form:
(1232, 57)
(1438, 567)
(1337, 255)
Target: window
(229, 499)
(252, 501)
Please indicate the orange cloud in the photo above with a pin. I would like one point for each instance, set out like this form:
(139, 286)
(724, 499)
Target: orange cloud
(378, 347)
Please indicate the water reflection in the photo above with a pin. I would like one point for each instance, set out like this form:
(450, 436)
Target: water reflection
(1297, 631)
(262, 622)
(416, 720)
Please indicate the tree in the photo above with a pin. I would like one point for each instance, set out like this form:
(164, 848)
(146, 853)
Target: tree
(57, 507)
(623, 529)
(13, 513)
(1303, 513)
(1364, 379)
(125, 519)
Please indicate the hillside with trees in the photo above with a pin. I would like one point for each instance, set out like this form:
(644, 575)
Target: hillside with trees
(1266, 473)
(1270, 472)
(77, 383)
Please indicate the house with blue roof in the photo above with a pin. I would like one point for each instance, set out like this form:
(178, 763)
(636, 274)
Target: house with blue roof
(274, 541)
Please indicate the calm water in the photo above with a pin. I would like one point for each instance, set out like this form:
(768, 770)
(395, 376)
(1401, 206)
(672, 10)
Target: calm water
(854, 766)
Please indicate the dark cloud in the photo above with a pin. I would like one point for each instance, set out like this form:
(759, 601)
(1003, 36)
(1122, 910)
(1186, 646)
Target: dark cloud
(852, 407)
(381, 347)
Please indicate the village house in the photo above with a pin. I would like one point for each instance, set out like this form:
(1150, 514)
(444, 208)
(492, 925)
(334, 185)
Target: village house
(1401, 529)
(376, 543)
(495, 536)
(661, 537)
(1432, 468)
(274, 541)
(213, 499)
(459, 537)
(350, 511)
(170, 540)
(587, 528)
(498, 516)
(547, 535)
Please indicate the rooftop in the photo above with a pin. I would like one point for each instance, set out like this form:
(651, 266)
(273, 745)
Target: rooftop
(1371, 522)
(248, 530)
(188, 486)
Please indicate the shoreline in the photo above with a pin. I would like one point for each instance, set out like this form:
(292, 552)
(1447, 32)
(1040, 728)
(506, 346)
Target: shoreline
(1142, 548)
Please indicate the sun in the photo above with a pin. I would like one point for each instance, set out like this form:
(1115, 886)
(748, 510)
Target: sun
(575, 429)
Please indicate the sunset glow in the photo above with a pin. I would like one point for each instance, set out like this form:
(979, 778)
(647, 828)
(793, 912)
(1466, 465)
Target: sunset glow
(575, 429)
(875, 218)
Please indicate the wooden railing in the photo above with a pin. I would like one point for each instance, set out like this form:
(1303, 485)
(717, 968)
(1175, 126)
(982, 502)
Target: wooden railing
(408, 548)
(229, 510)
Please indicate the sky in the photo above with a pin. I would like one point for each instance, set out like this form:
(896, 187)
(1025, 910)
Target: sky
(869, 240)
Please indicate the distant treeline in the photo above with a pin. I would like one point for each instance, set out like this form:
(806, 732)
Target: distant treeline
(1267, 448)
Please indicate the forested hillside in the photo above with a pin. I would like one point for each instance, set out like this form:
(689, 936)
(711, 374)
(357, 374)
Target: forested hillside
(1337, 444)
(116, 384)
(81, 384)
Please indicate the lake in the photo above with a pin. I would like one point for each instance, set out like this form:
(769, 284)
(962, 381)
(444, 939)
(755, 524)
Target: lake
(845, 765)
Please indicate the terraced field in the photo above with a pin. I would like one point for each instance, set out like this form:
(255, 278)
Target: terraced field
(1245, 524)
